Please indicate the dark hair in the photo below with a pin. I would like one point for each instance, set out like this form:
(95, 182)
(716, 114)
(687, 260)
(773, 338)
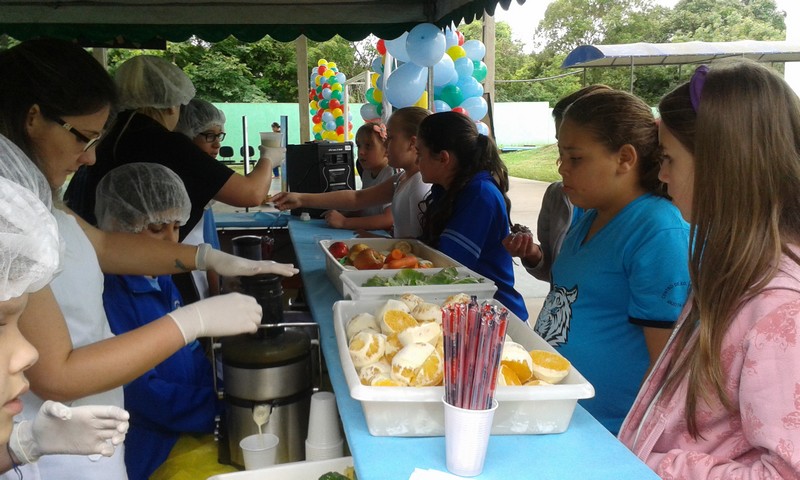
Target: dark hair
(59, 76)
(474, 152)
(677, 113)
(407, 119)
(618, 118)
(561, 105)
(276, 124)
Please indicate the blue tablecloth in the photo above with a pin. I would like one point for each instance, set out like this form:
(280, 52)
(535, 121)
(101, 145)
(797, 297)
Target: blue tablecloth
(251, 219)
(585, 451)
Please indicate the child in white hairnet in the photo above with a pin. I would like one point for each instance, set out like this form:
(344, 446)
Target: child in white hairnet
(177, 396)
(29, 257)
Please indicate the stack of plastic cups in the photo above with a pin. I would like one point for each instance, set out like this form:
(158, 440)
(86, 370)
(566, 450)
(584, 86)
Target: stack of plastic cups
(324, 439)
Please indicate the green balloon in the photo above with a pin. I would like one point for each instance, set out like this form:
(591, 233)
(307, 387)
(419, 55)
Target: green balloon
(452, 95)
(340, 120)
(480, 70)
(323, 104)
(337, 94)
(370, 94)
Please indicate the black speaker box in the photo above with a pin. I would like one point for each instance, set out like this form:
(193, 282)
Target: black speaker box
(317, 167)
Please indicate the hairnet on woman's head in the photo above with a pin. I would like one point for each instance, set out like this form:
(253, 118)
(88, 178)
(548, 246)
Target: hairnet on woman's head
(150, 81)
(135, 195)
(17, 167)
(30, 247)
(198, 116)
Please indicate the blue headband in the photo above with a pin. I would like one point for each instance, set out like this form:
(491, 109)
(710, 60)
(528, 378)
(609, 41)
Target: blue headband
(696, 86)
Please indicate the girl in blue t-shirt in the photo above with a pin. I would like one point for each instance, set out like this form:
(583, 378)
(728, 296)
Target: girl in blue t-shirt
(467, 211)
(622, 276)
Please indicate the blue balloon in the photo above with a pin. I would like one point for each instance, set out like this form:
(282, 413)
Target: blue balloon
(476, 107)
(450, 37)
(326, 93)
(341, 77)
(369, 112)
(406, 84)
(377, 64)
(327, 117)
(397, 47)
(482, 128)
(464, 67)
(379, 82)
(330, 126)
(425, 44)
(475, 49)
(443, 71)
(470, 87)
(440, 106)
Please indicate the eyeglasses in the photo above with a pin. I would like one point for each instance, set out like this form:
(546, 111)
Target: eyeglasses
(90, 142)
(211, 137)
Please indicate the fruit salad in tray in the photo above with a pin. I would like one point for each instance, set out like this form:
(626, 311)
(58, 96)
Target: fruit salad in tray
(379, 254)
(392, 358)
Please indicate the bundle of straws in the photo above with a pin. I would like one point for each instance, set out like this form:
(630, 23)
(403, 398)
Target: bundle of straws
(473, 344)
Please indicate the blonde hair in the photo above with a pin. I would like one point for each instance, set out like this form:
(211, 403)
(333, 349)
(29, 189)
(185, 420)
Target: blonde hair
(745, 139)
(406, 120)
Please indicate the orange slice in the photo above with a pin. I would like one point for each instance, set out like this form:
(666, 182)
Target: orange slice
(395, 321)
(517, 359)
(507, 377)
(383, 380)
(366, 347)
(431, 373)
(548, 366)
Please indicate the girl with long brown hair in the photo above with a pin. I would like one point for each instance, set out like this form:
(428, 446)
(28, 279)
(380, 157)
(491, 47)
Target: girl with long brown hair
(724, 399)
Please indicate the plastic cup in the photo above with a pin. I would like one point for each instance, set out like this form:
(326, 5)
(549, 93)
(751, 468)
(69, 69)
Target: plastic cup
(323, 421)
(271, 139)
(259, 450)
(466, 438)
(315, 452)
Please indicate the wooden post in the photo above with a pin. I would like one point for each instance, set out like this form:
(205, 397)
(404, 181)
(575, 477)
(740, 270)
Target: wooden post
(301, 52)
(101, 55)
(489, 59)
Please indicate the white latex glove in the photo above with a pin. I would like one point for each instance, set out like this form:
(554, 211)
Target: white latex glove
(57, 428)
(230, 265)
(218, 316)
(274, 155)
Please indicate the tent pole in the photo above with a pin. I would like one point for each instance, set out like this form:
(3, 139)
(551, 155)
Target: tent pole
(301, 53)
(631, 74)
(488, 34)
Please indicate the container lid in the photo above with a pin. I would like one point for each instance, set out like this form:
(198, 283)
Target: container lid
(254, 351)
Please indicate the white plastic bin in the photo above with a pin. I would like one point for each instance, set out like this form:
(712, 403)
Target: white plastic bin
(294, 471)
(353, 281)
(418, 411)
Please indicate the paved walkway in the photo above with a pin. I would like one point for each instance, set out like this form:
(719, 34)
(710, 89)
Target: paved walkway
(526, 200)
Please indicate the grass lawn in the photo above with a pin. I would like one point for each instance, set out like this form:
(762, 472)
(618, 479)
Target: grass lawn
(538, 164)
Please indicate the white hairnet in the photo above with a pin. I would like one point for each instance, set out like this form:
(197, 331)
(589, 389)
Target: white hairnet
(199, 116)
(150, 81)
(135, 195)
(17, 167)
(30, 247)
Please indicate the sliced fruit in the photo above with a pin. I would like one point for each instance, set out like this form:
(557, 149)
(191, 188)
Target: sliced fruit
(395, 321)
(408, 360)
(411, 300)
(390, 304)
(366, 373)
(366, 347)
(360, 322)
(382, 380)
(536, 383)
(457, 298)
(548, 366)
(427, 312)
(431, 372)
(507, 377)
(393, 346)
(425, 332)
(517, 359)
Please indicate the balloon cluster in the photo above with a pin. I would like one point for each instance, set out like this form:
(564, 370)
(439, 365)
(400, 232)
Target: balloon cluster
(458, 71)
(326, 96)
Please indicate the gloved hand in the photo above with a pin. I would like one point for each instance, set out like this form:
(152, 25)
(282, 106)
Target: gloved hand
(57, 428)
(229, 265)
(274, 155)
(218, 316)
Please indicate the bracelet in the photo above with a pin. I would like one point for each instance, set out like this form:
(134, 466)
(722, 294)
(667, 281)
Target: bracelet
(200, 257)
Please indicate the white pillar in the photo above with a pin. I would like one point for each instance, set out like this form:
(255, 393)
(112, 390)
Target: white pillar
(792, 9)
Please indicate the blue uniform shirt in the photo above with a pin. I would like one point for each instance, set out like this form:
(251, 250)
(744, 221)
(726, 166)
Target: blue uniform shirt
(632, 273)
(474, 235)
(177, 396)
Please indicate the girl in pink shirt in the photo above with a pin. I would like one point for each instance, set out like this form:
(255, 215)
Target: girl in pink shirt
(723, 401)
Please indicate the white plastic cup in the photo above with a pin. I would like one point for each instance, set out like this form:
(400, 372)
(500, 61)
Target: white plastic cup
(259, 450)
(466, 438)
(323, 421)
(315, 452)
(271, 139)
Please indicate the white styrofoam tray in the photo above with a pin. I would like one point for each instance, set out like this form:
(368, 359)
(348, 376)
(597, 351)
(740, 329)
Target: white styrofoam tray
(352, 281)
(384, 245)
(294, 471)
(418, 411)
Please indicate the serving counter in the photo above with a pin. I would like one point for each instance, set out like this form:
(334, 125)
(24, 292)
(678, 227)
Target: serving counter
(585, 450)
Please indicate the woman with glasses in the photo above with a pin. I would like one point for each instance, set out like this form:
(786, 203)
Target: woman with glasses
(80, 361)
(151, 92)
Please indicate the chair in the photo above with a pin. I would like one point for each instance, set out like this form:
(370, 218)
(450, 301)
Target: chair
(250, 150)
(226, 152)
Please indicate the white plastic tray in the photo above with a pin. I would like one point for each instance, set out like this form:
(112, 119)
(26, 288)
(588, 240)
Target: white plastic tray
(352, 281)
(335, 269)
(294, 471)
(418, 411)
